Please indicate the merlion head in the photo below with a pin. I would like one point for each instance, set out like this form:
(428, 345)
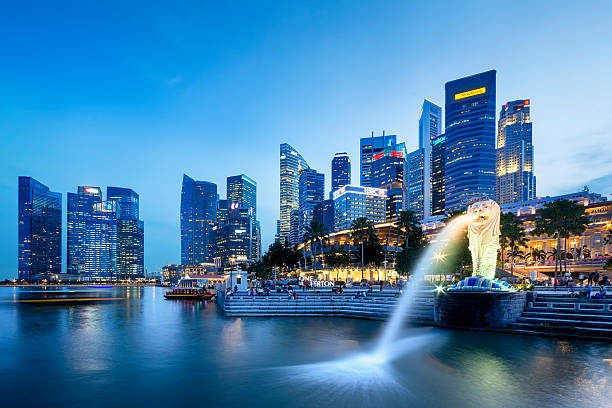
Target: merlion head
(484, 217)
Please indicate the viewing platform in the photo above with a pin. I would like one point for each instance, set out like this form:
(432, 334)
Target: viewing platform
(376, 305)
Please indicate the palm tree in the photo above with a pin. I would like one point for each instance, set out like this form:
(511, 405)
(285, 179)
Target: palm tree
(407, 224)
(362, 230)
(505, 221)
(512, 230)
(315, 232)
(561, 219)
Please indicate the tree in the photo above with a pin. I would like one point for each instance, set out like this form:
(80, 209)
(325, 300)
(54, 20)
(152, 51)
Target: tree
(260, 270)
(362, 230)
(505, 220)
(315, 232)
(513, 234)
(337, 258)
(459, 257)
(561, 219)
(608, 264)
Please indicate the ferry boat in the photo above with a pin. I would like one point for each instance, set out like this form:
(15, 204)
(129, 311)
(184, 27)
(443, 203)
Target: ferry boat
(189, 289)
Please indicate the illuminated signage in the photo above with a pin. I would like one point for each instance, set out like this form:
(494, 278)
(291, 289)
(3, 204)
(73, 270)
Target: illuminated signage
(473, 92)
(92, 190)
(438, 140)
(378, 156)
(397, 154)
(526, 103)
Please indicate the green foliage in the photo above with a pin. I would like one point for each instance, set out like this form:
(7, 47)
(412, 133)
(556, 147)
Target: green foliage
(260, 270)
(409, 226)
(512, 235)
(560, 219)
(281, 256)
(338, 257)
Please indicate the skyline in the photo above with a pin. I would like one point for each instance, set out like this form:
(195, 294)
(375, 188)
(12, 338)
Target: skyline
(158, 124)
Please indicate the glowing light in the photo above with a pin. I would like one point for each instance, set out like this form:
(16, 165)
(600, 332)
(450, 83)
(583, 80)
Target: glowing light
(439, 257)
(439, 289)
(473, 92)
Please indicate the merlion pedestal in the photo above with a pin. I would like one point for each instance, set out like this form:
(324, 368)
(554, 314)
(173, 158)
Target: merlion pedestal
(483, 235)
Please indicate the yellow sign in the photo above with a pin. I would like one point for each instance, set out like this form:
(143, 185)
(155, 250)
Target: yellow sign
(473, 92)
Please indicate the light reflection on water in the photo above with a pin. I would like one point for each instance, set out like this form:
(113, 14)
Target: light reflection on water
(147, 350)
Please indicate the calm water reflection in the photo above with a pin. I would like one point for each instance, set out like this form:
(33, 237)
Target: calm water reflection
(145, 350)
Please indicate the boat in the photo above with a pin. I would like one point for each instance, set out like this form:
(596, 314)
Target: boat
(188, 294)
(190, 289)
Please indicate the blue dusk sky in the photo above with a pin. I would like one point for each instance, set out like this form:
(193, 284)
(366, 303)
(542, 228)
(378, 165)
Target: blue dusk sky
(134, 94)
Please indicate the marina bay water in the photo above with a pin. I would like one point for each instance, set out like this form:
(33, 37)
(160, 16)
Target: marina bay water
(143, 350)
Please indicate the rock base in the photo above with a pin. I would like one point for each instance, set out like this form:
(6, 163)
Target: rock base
(478, 309)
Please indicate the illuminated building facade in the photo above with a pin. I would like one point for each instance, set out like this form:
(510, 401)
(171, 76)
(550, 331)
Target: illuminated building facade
(40, 229)
(416, 182)
(242, 190)
(368, 147)
(130, 233)
(352, 202)
(312, 192)
(291, 163)
(222, 211)
(515, 181)
(389, 170)
(92, 234)
(198, 220)
(430, 127)
(438, 160)
(340, 171)
(470, 139)
(236, 240)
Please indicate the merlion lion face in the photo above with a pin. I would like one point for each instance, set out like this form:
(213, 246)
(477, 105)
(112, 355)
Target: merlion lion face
(481, 212)
(485, 215)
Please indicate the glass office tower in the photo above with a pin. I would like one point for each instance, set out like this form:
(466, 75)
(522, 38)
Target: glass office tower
(470, 139)
(368, 147)
(416, 182)
(291, 163)
(438, 160)
(130, 233)
(92, 234)
(198, 219)
(242, 190)
(236, 240)
(312, 191)
(389, 170)
(340, 171)
(430, 125)
(514, 155)
(39, 245)
(324, 213)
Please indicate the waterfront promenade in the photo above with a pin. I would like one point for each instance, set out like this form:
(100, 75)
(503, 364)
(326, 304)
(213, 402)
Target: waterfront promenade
(550, 312)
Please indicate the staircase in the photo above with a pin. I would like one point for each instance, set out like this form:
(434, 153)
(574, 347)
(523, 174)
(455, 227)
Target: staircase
(376, 305)
(561, 314)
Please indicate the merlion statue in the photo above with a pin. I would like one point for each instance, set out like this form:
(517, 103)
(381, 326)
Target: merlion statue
(483, 235)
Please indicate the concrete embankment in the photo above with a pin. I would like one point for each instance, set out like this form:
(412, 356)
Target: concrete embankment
(376, 305)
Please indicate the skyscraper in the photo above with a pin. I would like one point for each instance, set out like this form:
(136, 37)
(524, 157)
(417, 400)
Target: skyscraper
(514, 155)
(236, 240)
(92, 234)
(198, 219)
(242, 190)
(417, 181)
(324, 213)
(312, 191)
(430, 125)
(352, 202)
(470, 139)
(291, 163)
(340, 171)
(438, 161)
(40, 229)
(389, 170)
(130, 233)
(368, 147)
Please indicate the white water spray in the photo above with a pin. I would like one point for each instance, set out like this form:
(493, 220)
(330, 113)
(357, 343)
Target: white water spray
(433, 253)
